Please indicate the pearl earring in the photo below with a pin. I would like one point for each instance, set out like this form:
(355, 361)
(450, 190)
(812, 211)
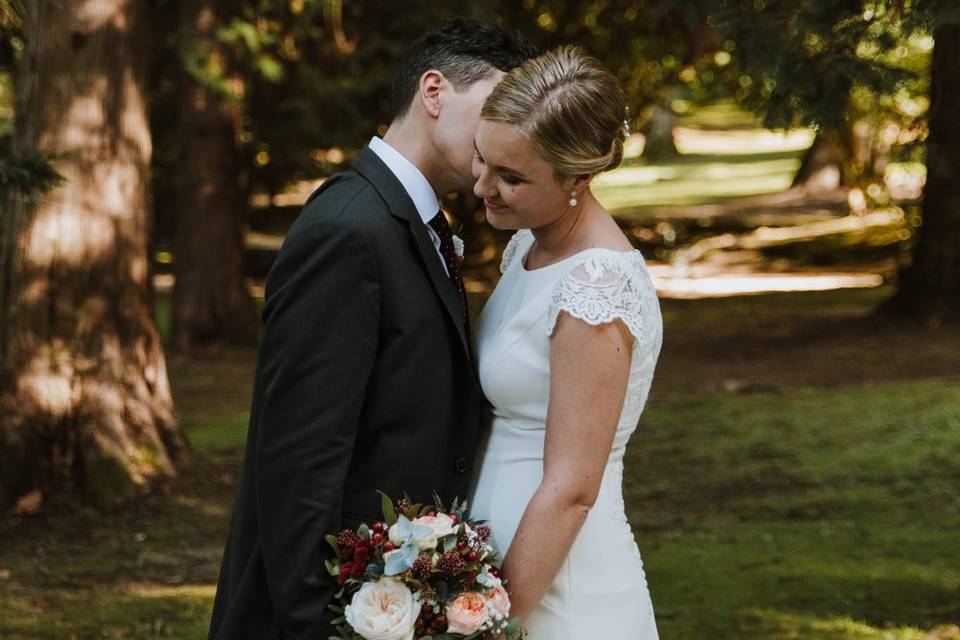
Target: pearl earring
(573, 198)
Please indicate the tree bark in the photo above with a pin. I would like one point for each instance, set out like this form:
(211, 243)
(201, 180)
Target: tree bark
(85, 404)
(822, 166)
(658, 145)
(211, 302)
(929, 288)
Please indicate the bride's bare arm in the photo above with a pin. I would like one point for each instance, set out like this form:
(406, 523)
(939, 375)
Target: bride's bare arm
(589, 371)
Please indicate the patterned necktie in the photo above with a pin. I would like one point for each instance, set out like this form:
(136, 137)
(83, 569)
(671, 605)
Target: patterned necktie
(442, 227)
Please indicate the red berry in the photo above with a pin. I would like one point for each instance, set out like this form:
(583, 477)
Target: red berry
(377, 538)
(388, 546)
(378, 527)
(432, 512)
(473, 556)
(455, 518)
(441, 620)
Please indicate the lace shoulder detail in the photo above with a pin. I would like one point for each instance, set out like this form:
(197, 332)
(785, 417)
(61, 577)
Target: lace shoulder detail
(608, 286)
(519, 239)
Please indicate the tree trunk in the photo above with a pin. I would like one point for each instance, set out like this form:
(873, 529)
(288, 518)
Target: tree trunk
(929, 288)
(85, 404)
(821, 168)
(658, 145)
(211, 302)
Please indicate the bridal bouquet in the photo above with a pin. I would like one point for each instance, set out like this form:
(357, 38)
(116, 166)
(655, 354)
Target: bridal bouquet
(424, 572)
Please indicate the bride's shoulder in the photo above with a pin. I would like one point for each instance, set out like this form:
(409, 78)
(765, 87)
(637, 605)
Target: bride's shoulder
(520, 239)
(606, 284)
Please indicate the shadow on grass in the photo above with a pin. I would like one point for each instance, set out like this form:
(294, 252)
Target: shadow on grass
(134, 612)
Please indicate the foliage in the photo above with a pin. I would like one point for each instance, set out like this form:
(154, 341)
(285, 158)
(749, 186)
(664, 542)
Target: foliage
(28, 172)
(857, 69)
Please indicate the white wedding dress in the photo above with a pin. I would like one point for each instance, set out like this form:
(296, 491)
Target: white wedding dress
(601, 590)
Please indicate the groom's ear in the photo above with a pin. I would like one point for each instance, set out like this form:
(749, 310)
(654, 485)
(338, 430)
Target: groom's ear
(430, 92)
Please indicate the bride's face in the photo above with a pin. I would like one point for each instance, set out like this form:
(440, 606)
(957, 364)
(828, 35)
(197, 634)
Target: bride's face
(518, 187)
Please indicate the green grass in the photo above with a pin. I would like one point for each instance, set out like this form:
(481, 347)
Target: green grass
(696, 179)
(719, 115)
(808, 514)
(217, 431)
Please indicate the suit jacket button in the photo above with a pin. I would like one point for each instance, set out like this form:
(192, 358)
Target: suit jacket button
(461, 465)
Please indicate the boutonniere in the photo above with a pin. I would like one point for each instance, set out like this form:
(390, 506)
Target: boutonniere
(458, 249)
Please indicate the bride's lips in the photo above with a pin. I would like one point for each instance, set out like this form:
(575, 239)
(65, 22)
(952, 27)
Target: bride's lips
(494, 207)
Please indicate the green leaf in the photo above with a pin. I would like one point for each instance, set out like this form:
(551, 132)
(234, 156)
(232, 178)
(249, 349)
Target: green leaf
(386, 507)
(414, 511)
(333, 542)
(332, 568)
(363, 531)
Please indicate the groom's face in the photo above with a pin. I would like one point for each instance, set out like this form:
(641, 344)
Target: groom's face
(457, 126)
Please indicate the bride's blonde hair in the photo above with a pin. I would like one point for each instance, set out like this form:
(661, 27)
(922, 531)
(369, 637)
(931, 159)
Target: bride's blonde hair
(570, 108)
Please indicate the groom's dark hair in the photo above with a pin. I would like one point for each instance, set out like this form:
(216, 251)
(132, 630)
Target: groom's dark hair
(464, 51)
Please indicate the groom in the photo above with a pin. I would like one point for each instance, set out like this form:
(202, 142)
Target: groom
(364, 378)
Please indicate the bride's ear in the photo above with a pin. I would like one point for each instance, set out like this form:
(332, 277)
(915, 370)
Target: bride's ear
(430, 92)
(582, 182)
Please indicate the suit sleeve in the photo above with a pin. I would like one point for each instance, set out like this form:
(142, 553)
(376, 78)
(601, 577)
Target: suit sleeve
(320, 328)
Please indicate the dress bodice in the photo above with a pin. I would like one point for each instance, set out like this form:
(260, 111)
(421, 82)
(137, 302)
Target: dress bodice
(513, 334)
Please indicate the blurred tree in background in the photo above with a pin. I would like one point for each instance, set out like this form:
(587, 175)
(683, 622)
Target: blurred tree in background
(846, 68)
(85, 403)
(929, 286)
(211, 302)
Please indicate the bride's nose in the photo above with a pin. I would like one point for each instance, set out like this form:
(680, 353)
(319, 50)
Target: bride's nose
(484, 186)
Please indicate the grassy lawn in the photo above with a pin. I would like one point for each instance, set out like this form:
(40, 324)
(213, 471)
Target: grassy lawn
(696, 179)
(815, 500)
(817, 513)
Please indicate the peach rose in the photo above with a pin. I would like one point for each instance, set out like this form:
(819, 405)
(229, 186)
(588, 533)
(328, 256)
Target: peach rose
(467, 613)
(498, 601)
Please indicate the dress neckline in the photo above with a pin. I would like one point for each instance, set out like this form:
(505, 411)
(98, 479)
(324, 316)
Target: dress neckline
(522, 258)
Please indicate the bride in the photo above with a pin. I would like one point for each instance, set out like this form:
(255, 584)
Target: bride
(566, 347)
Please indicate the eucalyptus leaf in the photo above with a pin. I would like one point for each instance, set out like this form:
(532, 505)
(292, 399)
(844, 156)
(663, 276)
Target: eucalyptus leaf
(332, 569)
(333, 542)
(386, 507)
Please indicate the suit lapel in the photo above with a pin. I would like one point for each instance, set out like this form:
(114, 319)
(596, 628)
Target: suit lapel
(401, 206)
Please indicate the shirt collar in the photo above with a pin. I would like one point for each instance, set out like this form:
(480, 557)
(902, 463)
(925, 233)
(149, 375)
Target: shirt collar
(416, 185)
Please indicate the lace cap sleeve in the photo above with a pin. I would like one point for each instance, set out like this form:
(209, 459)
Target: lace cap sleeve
(520, 238)
(607, 287)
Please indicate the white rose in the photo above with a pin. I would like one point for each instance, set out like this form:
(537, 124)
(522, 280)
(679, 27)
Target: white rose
(458, 246)
(394, 535)
(423, 537)
(441, 524)
(423, 542)
(383, 610)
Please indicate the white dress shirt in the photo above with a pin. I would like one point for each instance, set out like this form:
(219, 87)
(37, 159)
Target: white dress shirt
(416, 185)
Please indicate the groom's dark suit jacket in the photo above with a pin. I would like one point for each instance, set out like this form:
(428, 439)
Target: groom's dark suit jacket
(364, 381)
